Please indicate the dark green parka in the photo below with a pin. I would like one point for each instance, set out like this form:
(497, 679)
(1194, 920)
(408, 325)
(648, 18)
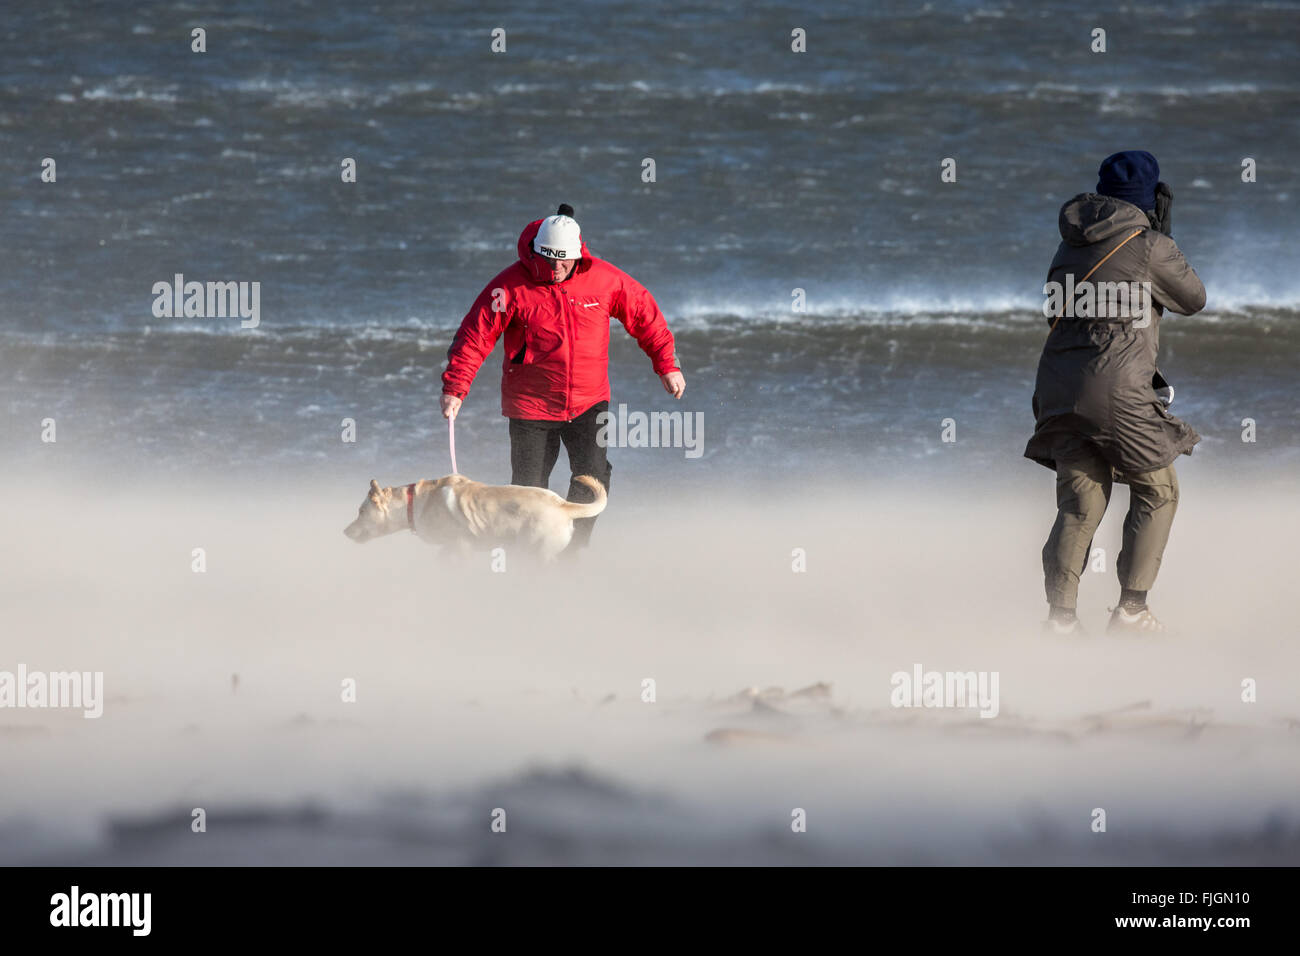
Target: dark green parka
(1094, 377)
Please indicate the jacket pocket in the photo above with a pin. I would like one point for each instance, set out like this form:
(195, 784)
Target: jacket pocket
(539, 341)
(532, 341)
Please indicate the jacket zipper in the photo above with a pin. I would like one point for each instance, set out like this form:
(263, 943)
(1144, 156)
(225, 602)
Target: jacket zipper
(568, 324)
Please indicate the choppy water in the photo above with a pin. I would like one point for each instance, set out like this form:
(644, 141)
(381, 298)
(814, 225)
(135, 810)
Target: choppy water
(839, 393)
(775, 171)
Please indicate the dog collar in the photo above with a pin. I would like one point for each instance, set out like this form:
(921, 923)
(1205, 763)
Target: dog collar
(409, 493)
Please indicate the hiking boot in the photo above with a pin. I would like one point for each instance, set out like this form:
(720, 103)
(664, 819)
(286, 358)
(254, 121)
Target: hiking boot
(1129, 621)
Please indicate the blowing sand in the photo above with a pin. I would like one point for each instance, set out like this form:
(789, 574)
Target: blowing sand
(522, 691)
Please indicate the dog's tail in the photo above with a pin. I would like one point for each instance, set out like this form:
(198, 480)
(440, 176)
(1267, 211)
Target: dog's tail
(592, 508)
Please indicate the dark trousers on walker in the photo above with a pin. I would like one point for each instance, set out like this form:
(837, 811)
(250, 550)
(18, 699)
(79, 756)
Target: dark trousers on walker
(1083, 485)
(535, 447)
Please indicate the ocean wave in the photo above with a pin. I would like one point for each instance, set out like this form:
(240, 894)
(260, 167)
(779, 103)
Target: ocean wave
(1242, 298)
(314, 95)
(1128, 89)
(974, 313)
(128, 89)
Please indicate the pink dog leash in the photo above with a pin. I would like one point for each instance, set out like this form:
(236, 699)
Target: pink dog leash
(451, 439)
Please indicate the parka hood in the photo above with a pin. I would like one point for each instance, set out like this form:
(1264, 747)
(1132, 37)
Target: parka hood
(1091, 217)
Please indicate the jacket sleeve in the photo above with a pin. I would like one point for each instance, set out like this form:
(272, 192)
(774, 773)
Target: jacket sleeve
(1174, 284)
(475, 339)
(636, 308)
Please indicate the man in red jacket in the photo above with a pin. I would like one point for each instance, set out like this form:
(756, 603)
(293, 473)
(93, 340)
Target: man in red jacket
(553, 306)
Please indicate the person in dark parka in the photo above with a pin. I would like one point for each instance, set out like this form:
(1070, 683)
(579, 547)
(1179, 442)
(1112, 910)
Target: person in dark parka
(1099, 416)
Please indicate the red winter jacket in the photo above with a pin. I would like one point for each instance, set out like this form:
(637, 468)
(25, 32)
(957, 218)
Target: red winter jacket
(557, 334)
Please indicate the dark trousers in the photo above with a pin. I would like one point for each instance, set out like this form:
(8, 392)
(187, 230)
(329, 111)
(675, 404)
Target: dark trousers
(535, 447)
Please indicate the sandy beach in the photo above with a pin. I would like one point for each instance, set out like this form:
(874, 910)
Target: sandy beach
(478, 691)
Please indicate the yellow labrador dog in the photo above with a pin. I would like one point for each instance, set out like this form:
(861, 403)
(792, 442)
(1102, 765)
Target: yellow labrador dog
(457, 512)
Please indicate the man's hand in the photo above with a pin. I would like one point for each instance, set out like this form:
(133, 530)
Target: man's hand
(674, 383)
(450, 405)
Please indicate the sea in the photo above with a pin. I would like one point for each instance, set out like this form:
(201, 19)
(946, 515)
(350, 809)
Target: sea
(834, 300)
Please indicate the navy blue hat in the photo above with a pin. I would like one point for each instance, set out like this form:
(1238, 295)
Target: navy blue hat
(1131, 176)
